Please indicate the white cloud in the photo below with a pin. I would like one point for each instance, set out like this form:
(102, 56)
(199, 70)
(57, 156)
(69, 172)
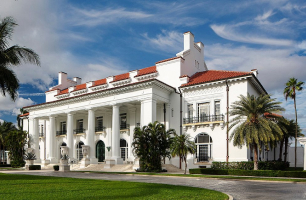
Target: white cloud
(265, 16)
(228, 32)
(10, 107)
(302, 45)
(167, 41)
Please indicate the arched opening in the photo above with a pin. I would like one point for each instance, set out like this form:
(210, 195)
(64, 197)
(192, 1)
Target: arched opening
(60, 149)
(79, 150)
(204, 147)
(123, 149)
(100, 151)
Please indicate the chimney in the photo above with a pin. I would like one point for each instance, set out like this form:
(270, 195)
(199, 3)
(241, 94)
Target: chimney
(62, 77)
(255, 72)
(188, 40)
(77, 80)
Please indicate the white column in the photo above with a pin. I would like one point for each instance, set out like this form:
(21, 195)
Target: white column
(108, 142)
(116, 136)
(132, 127)
(70, 145)
(302, 140)
(149, 108)
(142, 114)
(90, 138)
(52, 141)
(44, 139)
(35, 136)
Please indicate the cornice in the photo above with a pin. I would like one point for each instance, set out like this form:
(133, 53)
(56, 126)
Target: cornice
(104, 93)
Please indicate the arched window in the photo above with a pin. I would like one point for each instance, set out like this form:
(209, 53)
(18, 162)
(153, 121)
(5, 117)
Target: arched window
(123, 149)
(204, 147)
(79, 150)
(100, 151)
(63, 144)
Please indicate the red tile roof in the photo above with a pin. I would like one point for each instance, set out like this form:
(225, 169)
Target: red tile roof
(26, 114)
(80, 87)
(121, 77)
(147, 70)
(51, 90)
(213, 75)
(99, 82)
(184, 76)
(169, 59)
(65, 91)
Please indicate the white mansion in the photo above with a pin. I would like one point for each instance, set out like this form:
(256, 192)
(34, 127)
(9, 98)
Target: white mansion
(179, 92)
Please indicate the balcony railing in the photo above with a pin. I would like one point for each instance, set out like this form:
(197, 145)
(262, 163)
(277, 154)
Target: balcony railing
(61, 133)
(208, 118)
(124, 126)
(137, 124)
(99, 128)
(77, 131)
(41, 135)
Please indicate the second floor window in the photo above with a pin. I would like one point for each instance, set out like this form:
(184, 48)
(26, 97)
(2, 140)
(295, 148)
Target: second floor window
(190, 111)
(99, 122)
(217, 108)
(123, 121)
(80, 124)
(203, 111)
(63, 126)
(42, 129)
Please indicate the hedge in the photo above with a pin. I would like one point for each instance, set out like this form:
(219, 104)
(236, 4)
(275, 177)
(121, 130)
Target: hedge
(265, 173)
(262, 165)
(34, 167)
(5, 165)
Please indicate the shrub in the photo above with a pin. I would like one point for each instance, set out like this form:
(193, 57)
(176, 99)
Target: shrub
(262, 165)
(5, 165)
(56, 167)
(34, 167)
(265, 173)
(17, 163)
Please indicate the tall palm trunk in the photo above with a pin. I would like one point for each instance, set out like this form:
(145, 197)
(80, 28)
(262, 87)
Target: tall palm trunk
(286, 148)
(280, 158)
(185, 164)
(255, 156)
(295, 133)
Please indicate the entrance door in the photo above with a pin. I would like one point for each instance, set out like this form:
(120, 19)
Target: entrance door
(100, 151)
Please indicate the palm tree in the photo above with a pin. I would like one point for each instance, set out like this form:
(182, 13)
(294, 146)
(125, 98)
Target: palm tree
(251, 126)
(12, 56)
(151, 145)
(181, 146)
(5, 127)
(290, 91)
(291, 126)
(19, 120)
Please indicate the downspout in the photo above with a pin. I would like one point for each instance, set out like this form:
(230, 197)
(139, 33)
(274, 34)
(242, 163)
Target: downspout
(181, 112)
(165, 115)
(227, 119)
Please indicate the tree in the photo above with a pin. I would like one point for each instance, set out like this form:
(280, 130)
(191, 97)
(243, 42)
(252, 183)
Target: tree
(19, 120)
(290, 91)
(12, 56)
(151, 145)
(181, 146)
(5, 128)
(15, 142)
(251, 126)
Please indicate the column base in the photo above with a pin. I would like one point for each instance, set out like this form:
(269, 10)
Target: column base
(93, 161)
(136, 164)
(44, 163)
(85, 162)
(109, 163)
(37, 161)
(53, 161)
(118, 161)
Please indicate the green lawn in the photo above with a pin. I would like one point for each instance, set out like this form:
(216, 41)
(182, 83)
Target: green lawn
(40, 187)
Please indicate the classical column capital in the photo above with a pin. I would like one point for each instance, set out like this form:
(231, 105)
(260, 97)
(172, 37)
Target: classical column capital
(91, 108)
(70, 112)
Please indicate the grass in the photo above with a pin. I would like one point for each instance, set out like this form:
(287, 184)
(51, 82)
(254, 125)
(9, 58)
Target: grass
(296, 180)
(40, 187)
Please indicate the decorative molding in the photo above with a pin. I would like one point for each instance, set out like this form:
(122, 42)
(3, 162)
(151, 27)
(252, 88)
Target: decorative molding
(121, 82)
(147, 76)
(99, 87)
(78, 92)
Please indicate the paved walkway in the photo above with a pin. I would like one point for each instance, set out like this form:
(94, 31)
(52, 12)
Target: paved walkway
(239, 189)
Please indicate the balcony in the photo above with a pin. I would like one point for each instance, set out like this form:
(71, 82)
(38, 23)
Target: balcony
(100, 128)
(124, 126)
(203, 119)
(79, 131)
(59, 133)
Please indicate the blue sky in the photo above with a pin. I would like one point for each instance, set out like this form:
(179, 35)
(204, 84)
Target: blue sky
(94, 39)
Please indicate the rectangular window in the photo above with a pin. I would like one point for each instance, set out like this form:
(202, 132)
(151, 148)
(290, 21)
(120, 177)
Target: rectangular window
(190, 113)
(63, 127)
(203, 112)
(123, 124)
(217, 108)
(80, 124)
(99, 124)
(42, 129)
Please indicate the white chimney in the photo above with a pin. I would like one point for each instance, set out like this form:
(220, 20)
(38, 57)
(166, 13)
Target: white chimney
(255, 72)
(77, 80)
(62, 77)
(188, 40)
